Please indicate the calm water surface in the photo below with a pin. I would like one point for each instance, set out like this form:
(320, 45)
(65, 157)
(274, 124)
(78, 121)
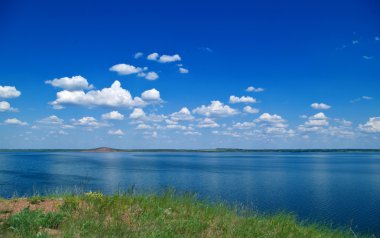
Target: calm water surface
(334, 188)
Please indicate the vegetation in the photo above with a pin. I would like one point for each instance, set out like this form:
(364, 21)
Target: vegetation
(128, 215)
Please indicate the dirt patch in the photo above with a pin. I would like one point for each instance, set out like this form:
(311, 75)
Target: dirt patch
(10, 207)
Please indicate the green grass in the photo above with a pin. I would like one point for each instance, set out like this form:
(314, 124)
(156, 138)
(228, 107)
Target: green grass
(167, 215)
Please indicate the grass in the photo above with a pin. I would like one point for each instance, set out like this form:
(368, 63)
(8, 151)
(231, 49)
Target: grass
(168, 215)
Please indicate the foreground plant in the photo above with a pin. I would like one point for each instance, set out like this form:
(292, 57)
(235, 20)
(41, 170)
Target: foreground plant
(124, 215)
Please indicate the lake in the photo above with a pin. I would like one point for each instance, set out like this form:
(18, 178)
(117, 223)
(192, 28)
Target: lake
(329, 187)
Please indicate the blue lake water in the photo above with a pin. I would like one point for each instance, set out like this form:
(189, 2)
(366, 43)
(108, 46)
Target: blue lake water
(334, 188)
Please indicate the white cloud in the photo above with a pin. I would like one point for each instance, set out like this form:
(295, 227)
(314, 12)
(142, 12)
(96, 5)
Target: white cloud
(319, 116)
(243, 99)
(169, 58)
(244, 125)
(126, 69)
(207, 123)
(171, 122)
(88, 122)
(117, 132)
(315, 123)
(15, 121)
(137, 113)
(251, 110)
(114, 115)
(153, 56)
(9, 92)
(151, 76)
(366, 57)
(215, 108)
(151, 95)
(274, 125)
(71, 84)
(138, 55)
(164, 58)
(183, 70)
(5, 106)
(253, 89)
(266, 117)
(320, 106)
(371, 126)
(173, 126)
(361, 98)
(51, 120)
(192, 133)
(143, 126)
(115, 96)
(182, 115)
(344, 122)
(227, 133)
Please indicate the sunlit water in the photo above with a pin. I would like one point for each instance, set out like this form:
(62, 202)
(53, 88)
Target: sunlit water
(333, 188)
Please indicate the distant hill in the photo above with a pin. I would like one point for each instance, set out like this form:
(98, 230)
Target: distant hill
(101, 149)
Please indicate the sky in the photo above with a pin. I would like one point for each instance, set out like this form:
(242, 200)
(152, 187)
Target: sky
(190, 74)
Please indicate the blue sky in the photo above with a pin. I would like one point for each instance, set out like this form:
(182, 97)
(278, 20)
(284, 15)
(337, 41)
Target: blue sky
(180, 73)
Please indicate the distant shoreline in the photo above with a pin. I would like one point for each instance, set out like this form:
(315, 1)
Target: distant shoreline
(218, 150)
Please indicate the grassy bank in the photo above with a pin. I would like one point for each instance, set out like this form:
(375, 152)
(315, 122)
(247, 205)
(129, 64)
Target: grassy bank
(124, 215)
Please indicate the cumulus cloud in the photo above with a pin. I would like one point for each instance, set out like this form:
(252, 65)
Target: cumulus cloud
(71, 84)
(164, 58)
(371, 126)
(253, 89)
(319, 116)
(151, 76)
(244, 125)
(115, 96)
(126, 69)
(216, 108)
(273, 124)
(169, 58)
(89, 122)
(117, 132)
(5, 106)
(137, 113)
(151, 95)
(178, 127)
(266, 117)
(143, 126)
(251, 110)
(315, 123)
(192, 133)
(207, 123)
(320, 106)
(183, 70)
(153, 56)
(9, 92)
(15, 121)
(243, 99)
(182, 115)
(114, 115)
(51, 120)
